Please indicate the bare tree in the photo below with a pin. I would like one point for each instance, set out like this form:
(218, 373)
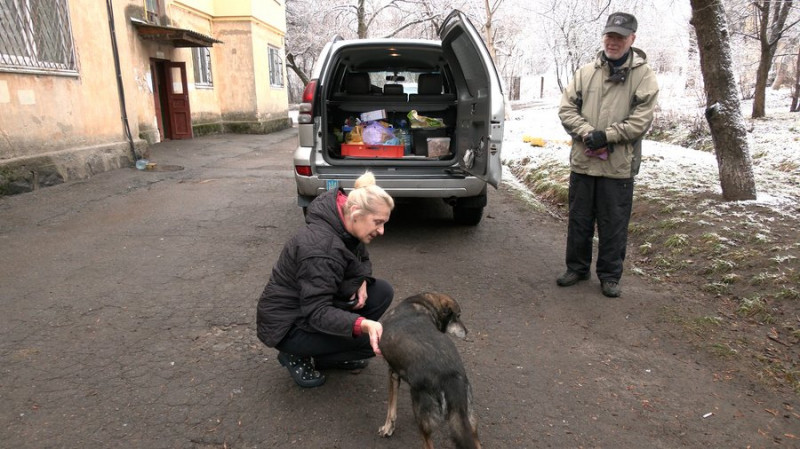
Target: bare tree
(765, 22)
(723, 110)
(488, 26)
(371, 15)
(772, 25)
(311, 24)
(572, 35)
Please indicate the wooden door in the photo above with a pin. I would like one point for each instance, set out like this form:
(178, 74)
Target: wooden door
(180, 117)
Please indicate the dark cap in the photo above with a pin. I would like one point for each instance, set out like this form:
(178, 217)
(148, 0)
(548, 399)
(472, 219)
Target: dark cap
(621, 23)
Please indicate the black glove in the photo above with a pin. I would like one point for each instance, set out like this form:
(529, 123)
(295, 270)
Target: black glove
(595, 140)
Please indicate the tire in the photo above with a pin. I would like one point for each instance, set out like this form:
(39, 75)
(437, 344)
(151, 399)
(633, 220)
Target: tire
(467, 216)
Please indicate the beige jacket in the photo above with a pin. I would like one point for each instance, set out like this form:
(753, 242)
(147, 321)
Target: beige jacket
(623, 110)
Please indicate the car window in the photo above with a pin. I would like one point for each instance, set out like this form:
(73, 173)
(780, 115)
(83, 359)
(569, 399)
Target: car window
(473, 73)
(406, 79)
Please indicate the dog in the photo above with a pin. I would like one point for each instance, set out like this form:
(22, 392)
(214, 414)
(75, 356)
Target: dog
(418, 352)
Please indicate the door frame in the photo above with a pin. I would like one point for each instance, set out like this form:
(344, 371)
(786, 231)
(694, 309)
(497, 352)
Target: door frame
(171, 99)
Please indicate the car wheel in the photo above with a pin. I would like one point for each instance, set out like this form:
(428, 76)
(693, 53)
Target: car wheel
(467, 216)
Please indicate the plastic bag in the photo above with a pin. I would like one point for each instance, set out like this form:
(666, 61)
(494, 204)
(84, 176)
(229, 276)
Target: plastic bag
(420, 121)
(354, 136)
(376, 134)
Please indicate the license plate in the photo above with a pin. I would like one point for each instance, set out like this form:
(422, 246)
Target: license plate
(331, 184)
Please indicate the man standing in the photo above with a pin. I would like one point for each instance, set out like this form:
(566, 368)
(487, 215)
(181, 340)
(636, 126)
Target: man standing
(606, 108)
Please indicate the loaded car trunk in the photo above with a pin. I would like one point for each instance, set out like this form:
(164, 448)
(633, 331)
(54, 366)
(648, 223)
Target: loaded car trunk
(360, 101)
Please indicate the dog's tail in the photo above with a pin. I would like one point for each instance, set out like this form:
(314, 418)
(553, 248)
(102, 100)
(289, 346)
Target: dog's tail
(460, 414)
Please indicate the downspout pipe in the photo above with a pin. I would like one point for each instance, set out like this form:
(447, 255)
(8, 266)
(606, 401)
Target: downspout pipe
(120, 88)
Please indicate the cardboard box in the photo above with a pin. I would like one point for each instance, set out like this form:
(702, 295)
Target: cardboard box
(364, 150)
(438, 146)
(380, 114)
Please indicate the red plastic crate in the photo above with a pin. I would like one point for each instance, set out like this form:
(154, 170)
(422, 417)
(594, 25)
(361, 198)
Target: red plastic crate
(363, 150)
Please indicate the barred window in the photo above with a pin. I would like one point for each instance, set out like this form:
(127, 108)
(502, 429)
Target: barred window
(275, 67)
(202, 66)
(36, 35)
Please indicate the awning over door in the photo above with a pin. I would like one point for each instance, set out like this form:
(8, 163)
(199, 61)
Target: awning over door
(178, 37)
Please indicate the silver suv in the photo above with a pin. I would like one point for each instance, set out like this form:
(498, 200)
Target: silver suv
(446, 95)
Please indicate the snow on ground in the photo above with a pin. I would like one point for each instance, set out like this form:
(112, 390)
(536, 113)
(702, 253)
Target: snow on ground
(774, 148)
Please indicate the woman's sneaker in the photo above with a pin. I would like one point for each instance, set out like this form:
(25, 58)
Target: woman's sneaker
(302, 370)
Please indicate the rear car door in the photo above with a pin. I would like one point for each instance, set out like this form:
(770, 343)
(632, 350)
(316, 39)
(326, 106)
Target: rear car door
(481, 106)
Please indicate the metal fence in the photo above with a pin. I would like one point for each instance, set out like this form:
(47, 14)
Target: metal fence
(36, 35)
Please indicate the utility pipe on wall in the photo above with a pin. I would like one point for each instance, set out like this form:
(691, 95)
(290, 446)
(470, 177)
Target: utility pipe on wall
(120, 88)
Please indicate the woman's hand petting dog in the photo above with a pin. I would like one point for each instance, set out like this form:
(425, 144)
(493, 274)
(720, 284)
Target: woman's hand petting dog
(374, 329)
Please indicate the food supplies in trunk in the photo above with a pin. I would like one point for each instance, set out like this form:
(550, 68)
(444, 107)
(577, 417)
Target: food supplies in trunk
(421, 121)
(423, 130)
(379, 133)
(373, 139)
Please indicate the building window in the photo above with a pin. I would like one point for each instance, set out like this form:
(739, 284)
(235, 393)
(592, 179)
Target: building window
(36, 35)
(202, 66)
(275, 67)
(152, 9)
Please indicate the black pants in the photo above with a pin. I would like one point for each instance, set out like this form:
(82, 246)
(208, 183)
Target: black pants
(607, 203)
(331, 348)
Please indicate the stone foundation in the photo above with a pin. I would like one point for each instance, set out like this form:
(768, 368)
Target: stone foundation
(27, 174)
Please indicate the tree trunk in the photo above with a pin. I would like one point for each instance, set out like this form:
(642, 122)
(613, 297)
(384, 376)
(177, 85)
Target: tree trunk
(292, 64)
(361, 17)
(762, 73)
(487, 28)
(723, 110)
(772, 17)
(781, 67)
(796, 94)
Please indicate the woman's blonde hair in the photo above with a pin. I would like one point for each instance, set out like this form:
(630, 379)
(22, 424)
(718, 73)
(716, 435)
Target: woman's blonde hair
(366, 194)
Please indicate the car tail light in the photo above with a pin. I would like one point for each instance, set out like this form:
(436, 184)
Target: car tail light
(303, 170)
(307, 106)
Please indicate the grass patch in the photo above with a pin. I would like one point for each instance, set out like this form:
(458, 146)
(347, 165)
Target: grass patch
(788, 293)
(755, 308)
(787, 166)
(672, 223)
(723, 350)
(716, 288)
(720, 266)
(677, 241)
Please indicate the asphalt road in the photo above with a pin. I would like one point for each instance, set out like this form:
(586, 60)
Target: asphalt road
(127, 319)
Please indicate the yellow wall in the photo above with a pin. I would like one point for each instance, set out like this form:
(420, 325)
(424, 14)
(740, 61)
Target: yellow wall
(240, 65)
(236, 86)
(271, 100)
(73, 123)
(204, 101)
(41, 113)
(270, 12)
